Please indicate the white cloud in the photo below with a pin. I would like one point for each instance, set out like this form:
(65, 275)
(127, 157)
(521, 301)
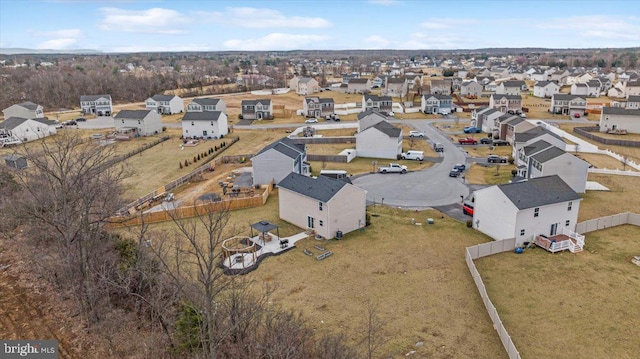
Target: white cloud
(446, 23)
(66, 33)
(276, 41)
(155, 20)
(57, 44)
(377, 42)
(384, 2)
(250, 17)
(597, 27)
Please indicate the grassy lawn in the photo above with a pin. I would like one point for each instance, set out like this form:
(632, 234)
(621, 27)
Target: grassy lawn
(570, 305)
(603, 161)
(328, 149)
(623, 197)
(489, 174)
(631, 152)
(363, 165)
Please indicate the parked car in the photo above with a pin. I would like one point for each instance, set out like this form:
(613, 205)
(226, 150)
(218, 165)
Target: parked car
(454, 173)
(468, 141)
(416, 134)
(80, 119)
(496, 159)
(467, 208)
(57, 124)
(500, 143)
(460, 167)
(485, 140)
(311, 120)
(70, 123)
(413, 155)
(576, 115)
(472, 129)
(438, 147)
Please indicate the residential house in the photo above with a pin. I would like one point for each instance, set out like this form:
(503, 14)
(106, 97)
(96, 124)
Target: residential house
(359, 85)
(141, 122)
(490, 87)
(369, 118)
(560, 77)
(579, 89)
(377, 82)
(470, 89)
(24, 110)
(518, 75)
(632, 88)
(537, 133)
(506, 103)
(329, 207)
(277, 160)
(545, 89)
(304, 85)
(257, 109)
(413, 81)
(541, 159)
(513, 125)
(205, 124)
(633, 103)
(18, 129)
(618, 118)
(618, 90)
(513, 88)
(317, 107)
(539, 76)
(395, 87)
(584, 78)
(441, 87)
(456, 83)
(484, 80)
(165, 104)
(485, 118)
(382, 140)
(566, 104)
(207, 104)
(382, 104)
(436, 104)
(521, 210)
(99, 105)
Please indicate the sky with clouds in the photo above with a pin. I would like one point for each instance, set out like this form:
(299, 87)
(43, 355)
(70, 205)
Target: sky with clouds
(136, 26)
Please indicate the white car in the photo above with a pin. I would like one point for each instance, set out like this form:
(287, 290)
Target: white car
(416, 134)
(311, 120)
(413, 155)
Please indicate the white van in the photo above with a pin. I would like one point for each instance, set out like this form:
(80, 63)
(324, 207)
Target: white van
(413, 155)
(336, 174)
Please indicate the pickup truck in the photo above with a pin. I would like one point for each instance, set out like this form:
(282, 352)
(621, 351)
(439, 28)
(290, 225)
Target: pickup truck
(393, 168)
(468, 141)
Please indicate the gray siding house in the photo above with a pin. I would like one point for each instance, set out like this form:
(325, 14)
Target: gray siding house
(207, 104)
(100, 105)
(257, 109)
(275, 161)
(165, 104)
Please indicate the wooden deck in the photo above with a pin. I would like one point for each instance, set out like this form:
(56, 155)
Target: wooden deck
(559, 242)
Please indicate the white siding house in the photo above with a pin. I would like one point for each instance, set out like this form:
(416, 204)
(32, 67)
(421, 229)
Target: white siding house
(521, 210)
(617, 118)
(209, 124)
(304, 85)
(470, 89)
(322, 204)
(382, 140)
(24, 110)
(25, 129)
(143, 122)
(545, 89)
(277, 160)
(486, 118)
(165, 104)
(369, 118)
(100, 105)
(207, 104)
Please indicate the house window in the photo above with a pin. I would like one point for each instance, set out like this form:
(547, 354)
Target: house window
(211, 123)
(319, 206)
(569, 206)
(566, 223)
(536, 212)
(522, 232)
(321, 223)
(192, 123)
(138, 122)
(123, 122)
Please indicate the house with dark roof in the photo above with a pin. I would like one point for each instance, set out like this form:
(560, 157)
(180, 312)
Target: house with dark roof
(257, 109)
(24, 110)
(99, 105)
(485, 118)
(165, 104)
(619, 118)
(382, 104)
(515, 124)
(579, 89)
(506, 103)
(471, 89)
(369, 118)
(521, 210)
(511, 87)
(205, 124)
(17, 129)
(436, 104)
(207, 104)
(565, 104)
(537, 133)
(633, 103)
(140, 122)
(304, 85)
(395, 87)
(382, 140)
(359, 85)
(329, 207)
(276, 160)
(545, 89)
(318, 107)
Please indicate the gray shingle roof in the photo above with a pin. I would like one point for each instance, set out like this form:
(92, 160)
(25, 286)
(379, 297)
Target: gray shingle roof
(206, 101)
(387, 128)
(620, 111)
(508, 97)
(536, 147)
(12, 122)
(377, 98)
(161, 97)
(548, 154)
(285, 146)
(358, 81)
(256, 102)
(533, 133)
(132, 114)
(565, 97)
(514, 121)
(304, 79)
(202, 116)
(544, 83)
(321, 188)
(633, 99)
(29, 105)
(93, 97)
(540, 191)
(513, 83)
(368, 113)
(580, 85)
(439, 97)
(318, 100)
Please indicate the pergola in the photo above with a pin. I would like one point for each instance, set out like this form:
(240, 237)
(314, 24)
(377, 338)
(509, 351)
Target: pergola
(263, 227)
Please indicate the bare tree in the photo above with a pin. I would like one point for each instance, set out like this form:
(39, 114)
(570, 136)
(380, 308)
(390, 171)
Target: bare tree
(374, 331)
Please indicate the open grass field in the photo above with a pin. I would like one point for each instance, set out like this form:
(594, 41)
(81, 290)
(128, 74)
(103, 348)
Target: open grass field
(567, 305)
(489, 174)
(328, 149)
(623, 197)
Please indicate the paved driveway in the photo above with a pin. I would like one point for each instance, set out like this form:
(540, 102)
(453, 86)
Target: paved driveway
(428, 188)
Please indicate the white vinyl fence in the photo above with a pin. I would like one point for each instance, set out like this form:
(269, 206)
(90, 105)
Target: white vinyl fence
(608, 221)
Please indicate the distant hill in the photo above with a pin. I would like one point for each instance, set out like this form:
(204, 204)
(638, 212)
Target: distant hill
(17, 51)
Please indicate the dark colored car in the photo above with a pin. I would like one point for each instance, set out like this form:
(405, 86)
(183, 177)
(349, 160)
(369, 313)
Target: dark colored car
(80, 119)
(485, 140)
(454, 173)
(496, 159)
(500, 143)
(70, 123)
(460, 167)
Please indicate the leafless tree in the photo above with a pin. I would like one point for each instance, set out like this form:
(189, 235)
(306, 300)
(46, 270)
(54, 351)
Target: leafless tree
(374, 331)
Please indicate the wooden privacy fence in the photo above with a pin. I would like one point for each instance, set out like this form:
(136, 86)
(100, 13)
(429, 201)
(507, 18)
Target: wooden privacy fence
(483, 250)
(191, 211)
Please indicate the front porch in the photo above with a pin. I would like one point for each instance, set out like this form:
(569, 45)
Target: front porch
(566, 240)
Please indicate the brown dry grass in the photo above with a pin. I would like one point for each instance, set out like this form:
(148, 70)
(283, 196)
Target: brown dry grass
(328, 149)
(570, 305)
(631, 152)
(603, 161)
(364, 165)
(489, 174)
(623, 197)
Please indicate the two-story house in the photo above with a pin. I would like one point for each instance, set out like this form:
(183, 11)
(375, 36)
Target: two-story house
(26, 109)
(329, 207)
(579, 89)
(506, 103)
(521, 210)
(633, 103)
(165, 104)
(15, 130)
(537, 133)
(566, 104)
(441, 87)
(513, 125)
(485, 118)
(382, 140)
(471, 89)
(511, 87)
(205, 124)
(618, 118)
(207, 104)
(545, 89)
(395, 87)
(359, 85)
(594, 88)
(277, 160)
(257, 109)
(304, 85)
(142, 122)
(436, 104)
(369, 118)
(318, 107)
(632, 88)
(382, 104)
(100, 105)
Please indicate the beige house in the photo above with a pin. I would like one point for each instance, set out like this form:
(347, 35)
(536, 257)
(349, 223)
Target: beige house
(382, 140)
(327, 206)
(618, 118)
(24, 110)
(304, 85)
(359, 85)
(506, 103)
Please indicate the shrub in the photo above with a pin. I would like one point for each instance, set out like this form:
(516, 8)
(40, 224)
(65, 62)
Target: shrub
(186, 163)
(195, 159)
(198, 157)
(511, 160)
(469, 223)
(514, 173)
(180, 164)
